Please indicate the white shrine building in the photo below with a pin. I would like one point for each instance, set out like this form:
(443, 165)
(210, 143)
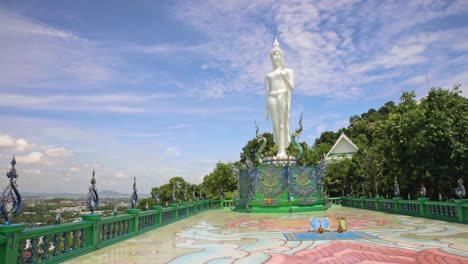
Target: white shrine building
(343, 148)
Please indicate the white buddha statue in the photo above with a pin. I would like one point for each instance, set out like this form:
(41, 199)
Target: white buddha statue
(278, 87)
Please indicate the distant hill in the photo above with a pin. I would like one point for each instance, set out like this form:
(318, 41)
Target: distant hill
(54, 195)
(110, 193)
(103, 193)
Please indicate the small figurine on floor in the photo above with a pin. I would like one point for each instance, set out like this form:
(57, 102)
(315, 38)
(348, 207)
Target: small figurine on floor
(320, 228)
(340, 228)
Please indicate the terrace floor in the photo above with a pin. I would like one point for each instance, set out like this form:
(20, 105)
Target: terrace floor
(222, 236)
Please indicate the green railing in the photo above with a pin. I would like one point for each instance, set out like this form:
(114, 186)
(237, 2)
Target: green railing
(57, 243)
(456, 211)
(334, 200)
(228, 204)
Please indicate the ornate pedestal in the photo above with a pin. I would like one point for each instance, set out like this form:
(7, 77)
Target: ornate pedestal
(281, 189)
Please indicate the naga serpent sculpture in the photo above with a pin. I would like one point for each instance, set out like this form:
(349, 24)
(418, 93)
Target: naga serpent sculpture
(10, 196)
(294, 138)
(260, 138)
(134, 196)
(92, 201)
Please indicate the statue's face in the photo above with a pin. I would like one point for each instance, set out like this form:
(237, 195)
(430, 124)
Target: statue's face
(277, 59)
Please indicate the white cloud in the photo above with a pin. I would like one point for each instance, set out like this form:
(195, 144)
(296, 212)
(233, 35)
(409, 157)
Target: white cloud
(59, 152)
(168, 48)
(91, 165)
(9, 142)
(172, 151)
(22, 144)
(121, 175)
(90, 103)
(337, 50)
(32, 172)
(31, 158)
(6, 141)
(74, 169)
(40, 55)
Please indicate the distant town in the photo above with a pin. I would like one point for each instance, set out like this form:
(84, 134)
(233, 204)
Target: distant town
(41, 209)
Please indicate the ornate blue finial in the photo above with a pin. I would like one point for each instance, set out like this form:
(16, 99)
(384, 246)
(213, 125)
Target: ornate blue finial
(13, 162)
(11, 202)
(134, 196)
(92, 201)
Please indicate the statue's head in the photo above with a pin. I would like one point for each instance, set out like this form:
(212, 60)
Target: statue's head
(277, 55)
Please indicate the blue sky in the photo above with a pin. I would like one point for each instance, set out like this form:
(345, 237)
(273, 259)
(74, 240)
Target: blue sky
(157, 89)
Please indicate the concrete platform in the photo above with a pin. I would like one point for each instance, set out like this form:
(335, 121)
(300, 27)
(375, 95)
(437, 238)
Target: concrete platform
(222, 236)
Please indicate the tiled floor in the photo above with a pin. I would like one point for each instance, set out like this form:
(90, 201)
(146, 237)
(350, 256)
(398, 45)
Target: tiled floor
(222, 236)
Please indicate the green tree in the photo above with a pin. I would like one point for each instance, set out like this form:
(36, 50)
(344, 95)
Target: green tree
(426, 143)
(336, 176)
(222, 178)
(165, 191)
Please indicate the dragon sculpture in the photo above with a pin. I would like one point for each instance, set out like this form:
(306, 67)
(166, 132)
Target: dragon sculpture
(263, 140)
(294, 138)
(11, 202)
(134, 196)
(92, 201)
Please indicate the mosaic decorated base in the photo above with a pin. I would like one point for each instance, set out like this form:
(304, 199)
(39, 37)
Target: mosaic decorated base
(222, 236)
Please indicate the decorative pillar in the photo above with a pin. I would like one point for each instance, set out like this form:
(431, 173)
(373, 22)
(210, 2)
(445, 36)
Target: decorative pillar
(397, 204)
(462, 210)
(9, 250)
(422, 206)
(378, 201)
(158, 210)
(93, 238)
(136, 220)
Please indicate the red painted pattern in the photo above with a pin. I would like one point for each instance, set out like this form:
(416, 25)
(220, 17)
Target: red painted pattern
(341, 252)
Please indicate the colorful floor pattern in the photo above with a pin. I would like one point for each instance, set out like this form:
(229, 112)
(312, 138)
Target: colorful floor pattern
(222, 236)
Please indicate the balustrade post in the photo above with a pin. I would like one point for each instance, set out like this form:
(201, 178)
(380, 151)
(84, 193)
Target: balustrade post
(136, 220)
(422, 206)
(176, 211)
(362, 201)
(460, 213)
(158, 210)
(93, 238)
(9, 250)
(378, 201)
(397, 204)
